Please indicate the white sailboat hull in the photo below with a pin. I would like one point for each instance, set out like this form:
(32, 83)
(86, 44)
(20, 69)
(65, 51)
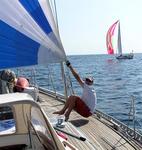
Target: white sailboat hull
(126, 56)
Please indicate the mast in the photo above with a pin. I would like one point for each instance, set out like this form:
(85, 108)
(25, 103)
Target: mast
(119, 45)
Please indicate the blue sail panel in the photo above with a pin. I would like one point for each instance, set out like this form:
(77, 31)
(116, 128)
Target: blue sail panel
(16, 49)
(34, 9)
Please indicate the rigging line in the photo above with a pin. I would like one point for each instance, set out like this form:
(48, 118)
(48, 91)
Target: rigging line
(56, 17)
(51, 78)
(133, 103)
(64, 80)
(57, 24)
(122, 144)
(53, 10)
(118, 142)
(113, 145)
(70, 82)
(34, 83)
(33, 73)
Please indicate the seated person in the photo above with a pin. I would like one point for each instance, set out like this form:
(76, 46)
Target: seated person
(7, 81)
(21, 84)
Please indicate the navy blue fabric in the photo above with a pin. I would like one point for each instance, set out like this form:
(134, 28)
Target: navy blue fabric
(34, 9)
(16, 49)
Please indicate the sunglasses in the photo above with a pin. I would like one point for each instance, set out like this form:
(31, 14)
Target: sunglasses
(88, 80)
(11, 80)
(19, 89)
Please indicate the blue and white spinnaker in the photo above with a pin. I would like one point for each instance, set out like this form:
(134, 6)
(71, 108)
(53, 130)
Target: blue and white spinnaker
(28, 34)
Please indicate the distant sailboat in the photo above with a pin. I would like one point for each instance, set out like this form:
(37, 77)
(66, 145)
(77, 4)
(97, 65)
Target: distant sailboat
(109, 44)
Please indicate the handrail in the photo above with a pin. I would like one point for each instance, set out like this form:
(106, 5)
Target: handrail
(121, 127)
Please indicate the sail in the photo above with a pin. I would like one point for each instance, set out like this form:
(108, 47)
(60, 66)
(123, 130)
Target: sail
(109, 36)
(28, 34)
(119, 45)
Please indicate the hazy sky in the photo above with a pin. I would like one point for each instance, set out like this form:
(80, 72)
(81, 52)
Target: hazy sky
(83, 24)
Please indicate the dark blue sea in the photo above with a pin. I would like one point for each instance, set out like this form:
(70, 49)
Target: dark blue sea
(117, 82)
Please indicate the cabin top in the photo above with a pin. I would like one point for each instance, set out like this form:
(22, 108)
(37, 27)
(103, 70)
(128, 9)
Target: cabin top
(15, 98)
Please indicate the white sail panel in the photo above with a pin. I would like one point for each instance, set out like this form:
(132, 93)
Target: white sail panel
(36, 12)
(18, 18)
(119, 45)
(48, 12)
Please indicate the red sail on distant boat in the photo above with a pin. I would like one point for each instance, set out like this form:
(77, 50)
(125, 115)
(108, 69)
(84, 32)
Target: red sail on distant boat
(109, 36)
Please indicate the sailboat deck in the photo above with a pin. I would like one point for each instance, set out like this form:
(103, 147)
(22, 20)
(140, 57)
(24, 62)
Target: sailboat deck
(98, 135)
